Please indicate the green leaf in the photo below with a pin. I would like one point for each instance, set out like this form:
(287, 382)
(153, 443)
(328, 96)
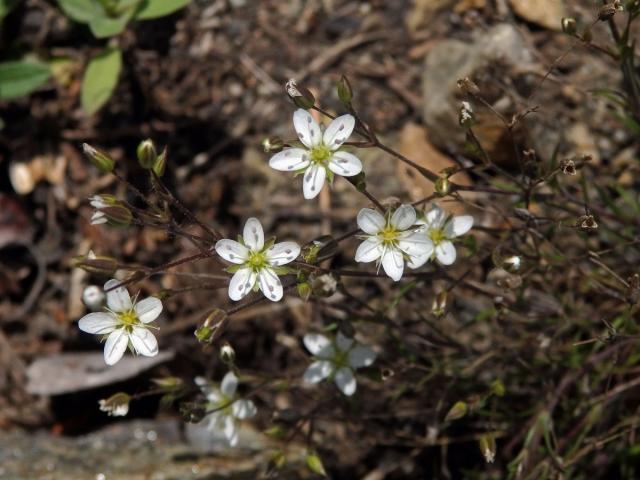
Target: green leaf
(315, 464)
(104, 27)
(22, 78)
(100, 79)
(82, 11)
(159, 8)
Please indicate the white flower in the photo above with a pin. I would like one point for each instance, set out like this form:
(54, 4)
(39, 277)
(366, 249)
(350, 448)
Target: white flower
(98, 216)
(336, 360)
(391, 239)
(125, 322)
(256, 264)
(440, 231)
(227, 407)
(322, 156)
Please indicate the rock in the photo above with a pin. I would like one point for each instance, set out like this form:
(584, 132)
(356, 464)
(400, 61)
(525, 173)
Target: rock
(71, 372)
(451, 60)
(546, 13)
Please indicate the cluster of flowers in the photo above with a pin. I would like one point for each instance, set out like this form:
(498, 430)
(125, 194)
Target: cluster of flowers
(391, 239)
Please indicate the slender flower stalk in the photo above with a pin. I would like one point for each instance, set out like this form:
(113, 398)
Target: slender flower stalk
(256, 264)
(124, 323)
(321, 156)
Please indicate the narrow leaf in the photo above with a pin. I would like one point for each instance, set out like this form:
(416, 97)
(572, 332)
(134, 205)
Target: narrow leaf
(159, 8)
(315, 464)
(100, 79)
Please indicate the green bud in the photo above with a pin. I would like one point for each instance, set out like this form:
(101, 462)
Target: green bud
(160, 163)
(345, 92)
(117, 215)
(272, 144)
(168, 384)
(212, 326)
(227, 354)
(442, 186)
(497, 388)
(100, 160)
(147, 154)
(97, 264)
(569, 26)
(319, 249)
(458, 410)
(301, 96)
(440, 304)
(304, 290)
(487, 444)
(315, 464)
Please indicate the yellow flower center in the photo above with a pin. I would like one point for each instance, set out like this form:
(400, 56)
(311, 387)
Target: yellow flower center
(128, 318)
(257, 260)
(388, 235)
(437, 235)
(320, 154)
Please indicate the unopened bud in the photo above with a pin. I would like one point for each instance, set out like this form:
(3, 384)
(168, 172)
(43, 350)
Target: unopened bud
(487, 444)
(100, 160)
(304, 291)
(227, 354)
(442, 186)
(301, 96)
(116, 405)
(93, 297)
(96, 264)
(512, 263)
(607, 11)
(272, 144)
(319, 249)
(440, 304)
(324, 285)
(345, 92)
(116, 216)
(160, 163)
(466, 85)
(212, 326)
(168, 384)
(147, 154)
(587, 36)
(569, 26)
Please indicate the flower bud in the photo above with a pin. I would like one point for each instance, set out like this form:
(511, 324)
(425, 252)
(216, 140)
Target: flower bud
(212, 326)
(440, 304)
(301, 96)
(304, 290)
(512, 263)
(227, 354)
(160, 163)
(319, 249)
(96, 264)
(168, 384)
(272, 145)
(607, 11)
(116, 216)
(93, 297)
(487, 444)
(442, 186)
(587, 36)
(147, 154)
(324, 285)
(116, 405)
(345, 92)
(466, 85)
(569, 26)
(458, 410)
(100, 160)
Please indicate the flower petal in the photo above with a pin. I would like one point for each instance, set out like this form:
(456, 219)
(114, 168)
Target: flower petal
(361, 356)
(458, 226)
(232, 251)
(345, 381)
(393, 263)
(229, 384)
(369, 250)
(144, 342)
(318, 345)
(241, 283)
(118, 299)
(313, 181)
(338, 131)
(230, 431)
(98, 323)
(343, 342)
(282, 253)
(307, 128)
(435, 217)
(270, 284)
(148, 309)
(446, 253)
(244, 409)
(290, 160)
(345, 164)
(98, 218)
(253, 234)
(416, 245)
(115, 346)
(403, 217)
(317, 371)
(370, 221)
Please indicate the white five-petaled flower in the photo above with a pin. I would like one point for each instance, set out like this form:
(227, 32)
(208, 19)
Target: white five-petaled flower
(336, 360)
(227, 408)
(391, 239)
(125, 323)
(440, 230)
(322, 156)
(256, 263)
